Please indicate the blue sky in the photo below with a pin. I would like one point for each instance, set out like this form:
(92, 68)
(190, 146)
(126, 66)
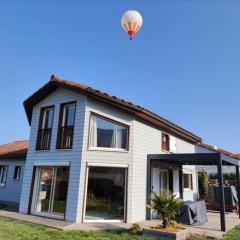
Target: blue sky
(184, 64)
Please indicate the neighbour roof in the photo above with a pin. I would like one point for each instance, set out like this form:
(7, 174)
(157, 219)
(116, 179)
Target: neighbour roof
(219, 150)
(138, 111)
(14, 149)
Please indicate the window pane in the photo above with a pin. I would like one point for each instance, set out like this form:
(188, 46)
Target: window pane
(3, 175)
(17, 172)
(107, 134)
(187, 178)
(105, 193)
(70, 113)
(49, 119)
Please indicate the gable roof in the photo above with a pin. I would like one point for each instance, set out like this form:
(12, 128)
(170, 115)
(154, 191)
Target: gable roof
(138, 111)
(15, 149)
(219, 150)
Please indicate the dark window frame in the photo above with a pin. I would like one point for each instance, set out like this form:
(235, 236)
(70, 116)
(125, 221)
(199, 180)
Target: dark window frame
(165, 144)
(190, 183)
(44, 130)
(62, 129)
(112, 121)
(17, 174)
(3, 185)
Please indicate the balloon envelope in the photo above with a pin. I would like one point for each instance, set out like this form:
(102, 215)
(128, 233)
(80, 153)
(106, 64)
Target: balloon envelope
(131, 22)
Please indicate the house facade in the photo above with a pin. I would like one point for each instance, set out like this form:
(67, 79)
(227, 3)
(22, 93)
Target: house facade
(87, 155)
(12, 163)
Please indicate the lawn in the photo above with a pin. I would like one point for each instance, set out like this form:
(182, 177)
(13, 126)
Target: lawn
(17, 230)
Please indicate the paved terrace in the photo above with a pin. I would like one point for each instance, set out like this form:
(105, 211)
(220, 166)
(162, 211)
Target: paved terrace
(211, 229)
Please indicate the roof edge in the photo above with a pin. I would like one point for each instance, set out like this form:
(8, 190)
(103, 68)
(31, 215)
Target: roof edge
(143, 113)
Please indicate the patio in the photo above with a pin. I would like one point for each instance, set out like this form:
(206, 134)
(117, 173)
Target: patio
(211, 228)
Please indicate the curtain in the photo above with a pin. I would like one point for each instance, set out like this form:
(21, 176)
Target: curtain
(93, 132)
(116, 137)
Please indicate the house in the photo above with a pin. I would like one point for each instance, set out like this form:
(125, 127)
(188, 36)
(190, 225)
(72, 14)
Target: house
(88, 153)
(203, 148)
(12, 162)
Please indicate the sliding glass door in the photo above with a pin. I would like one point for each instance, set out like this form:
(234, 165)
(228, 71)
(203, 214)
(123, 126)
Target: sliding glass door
(50, 191)
(106, 193)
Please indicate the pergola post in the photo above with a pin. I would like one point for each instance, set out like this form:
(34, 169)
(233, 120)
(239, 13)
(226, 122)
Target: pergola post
(238, 188)
(221, 194)
(181, 181)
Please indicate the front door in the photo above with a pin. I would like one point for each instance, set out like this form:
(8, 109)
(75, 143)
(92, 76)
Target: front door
(50, 191)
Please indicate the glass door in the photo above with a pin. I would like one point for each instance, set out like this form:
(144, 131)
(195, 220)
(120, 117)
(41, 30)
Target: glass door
(106, 192)
(163, 180)
(50, 191)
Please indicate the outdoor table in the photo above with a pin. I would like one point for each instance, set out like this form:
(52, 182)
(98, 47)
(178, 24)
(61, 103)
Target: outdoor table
(192, 213)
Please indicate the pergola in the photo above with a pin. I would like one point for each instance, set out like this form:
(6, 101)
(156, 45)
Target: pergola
(181, 159)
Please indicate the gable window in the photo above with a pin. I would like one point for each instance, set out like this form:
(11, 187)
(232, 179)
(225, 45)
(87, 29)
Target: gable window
(3, 175)
(45, 128)
(105, 133)
(165, 142)
(17, 173)
(66, 126)
(187, 181)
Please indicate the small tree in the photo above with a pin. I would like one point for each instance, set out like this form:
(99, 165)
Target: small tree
(203, 184)
(167, 205)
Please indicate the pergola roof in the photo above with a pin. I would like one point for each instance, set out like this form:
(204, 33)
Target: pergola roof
(195, 159)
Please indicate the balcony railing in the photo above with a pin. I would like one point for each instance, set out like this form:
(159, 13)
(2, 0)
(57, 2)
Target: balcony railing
(65, 137)
(44, 139)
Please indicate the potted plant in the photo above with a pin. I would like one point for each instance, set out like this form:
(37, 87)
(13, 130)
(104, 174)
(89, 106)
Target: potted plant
(167, 205)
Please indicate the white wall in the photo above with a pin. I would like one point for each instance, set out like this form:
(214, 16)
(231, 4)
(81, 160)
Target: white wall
(105, 157)
(147, 140)
(12, 190)
(73, 156)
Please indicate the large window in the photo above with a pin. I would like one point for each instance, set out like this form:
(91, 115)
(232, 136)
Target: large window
(106, 193)
(17, 173)
(45, 128)
(3, 175)
(187, 181)
(66, 126)
(107, 134)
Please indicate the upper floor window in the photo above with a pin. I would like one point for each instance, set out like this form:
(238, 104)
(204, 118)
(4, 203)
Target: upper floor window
(3, 175)
(105, 133)
(187, 181)
(66, 126)
(17, 173)
(165, 142)
(45, 128)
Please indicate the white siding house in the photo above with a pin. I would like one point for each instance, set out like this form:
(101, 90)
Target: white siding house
(65, 114)
(12, 163)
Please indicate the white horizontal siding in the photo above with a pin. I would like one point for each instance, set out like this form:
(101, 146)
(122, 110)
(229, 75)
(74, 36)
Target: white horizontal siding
(72, 156)
(105, 157)
(12, 190)
(147, 140)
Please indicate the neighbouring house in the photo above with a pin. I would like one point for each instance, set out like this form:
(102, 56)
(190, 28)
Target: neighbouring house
(203, 148)
(88, 155)
(12, 162)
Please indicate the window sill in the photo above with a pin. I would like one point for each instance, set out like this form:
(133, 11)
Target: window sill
(63, 149)
(44, 150)
(188, 190)
(107, 149)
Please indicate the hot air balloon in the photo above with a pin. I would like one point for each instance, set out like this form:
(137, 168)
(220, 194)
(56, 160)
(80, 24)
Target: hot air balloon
(131, 22)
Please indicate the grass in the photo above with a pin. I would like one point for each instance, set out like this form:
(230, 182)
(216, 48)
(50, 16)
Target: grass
(233, 234)
(18, 230)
